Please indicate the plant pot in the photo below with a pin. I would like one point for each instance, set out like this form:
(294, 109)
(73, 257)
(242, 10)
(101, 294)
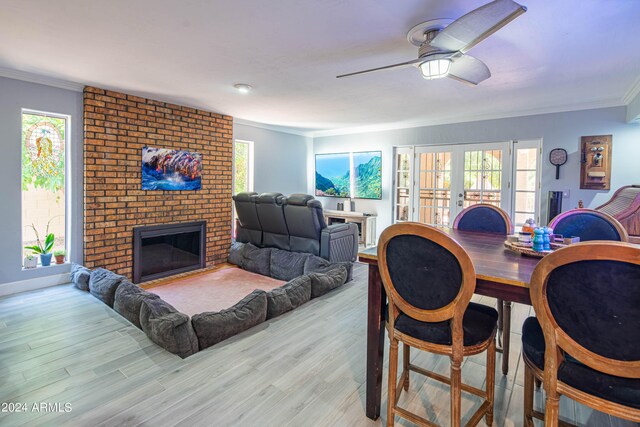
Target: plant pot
(30, 263)
(59, 259)
(45, 259)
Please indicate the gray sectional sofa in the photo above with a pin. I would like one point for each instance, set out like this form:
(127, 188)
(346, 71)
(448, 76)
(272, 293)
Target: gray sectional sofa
(308, 276)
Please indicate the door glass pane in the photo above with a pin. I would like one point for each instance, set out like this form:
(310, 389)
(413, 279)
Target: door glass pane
(525, 185)
(434, 190)
(482, 177)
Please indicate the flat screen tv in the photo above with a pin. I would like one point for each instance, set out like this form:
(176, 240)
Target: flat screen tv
(349, 175)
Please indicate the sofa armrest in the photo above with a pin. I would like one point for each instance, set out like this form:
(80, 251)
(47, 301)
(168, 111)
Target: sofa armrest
(339, 243)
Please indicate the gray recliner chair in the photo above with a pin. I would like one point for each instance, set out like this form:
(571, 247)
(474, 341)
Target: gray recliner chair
(248, 228)
(309, 233)
(271, 215)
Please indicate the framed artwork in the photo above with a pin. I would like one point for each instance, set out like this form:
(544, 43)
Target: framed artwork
(349, 175)
(166, 169)
(367, 175)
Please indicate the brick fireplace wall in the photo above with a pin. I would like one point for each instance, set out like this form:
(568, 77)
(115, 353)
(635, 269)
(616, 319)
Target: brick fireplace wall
(116, 128)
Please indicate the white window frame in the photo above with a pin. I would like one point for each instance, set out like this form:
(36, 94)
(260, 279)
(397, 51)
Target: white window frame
(68, 210)
(532, 143)
(250, 174)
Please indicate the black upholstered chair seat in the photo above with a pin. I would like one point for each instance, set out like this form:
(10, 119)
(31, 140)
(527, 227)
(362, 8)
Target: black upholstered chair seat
(625, 391)
(478, 324)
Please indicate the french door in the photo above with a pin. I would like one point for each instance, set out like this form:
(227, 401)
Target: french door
(435, 183)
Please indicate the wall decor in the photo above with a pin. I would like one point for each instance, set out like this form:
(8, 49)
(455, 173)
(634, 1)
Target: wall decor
(558, 157)
(355, 175)
(595, 162)
(166, 169)
(333, 175)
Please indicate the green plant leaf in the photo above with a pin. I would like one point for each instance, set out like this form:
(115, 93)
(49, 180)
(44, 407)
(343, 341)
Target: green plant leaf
(35, 249)
(48, 243)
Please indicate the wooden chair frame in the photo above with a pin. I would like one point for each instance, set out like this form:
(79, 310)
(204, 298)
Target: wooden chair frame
(624, 236)
(504, 307)
(453, 312)
(557, 342)
(502, 213)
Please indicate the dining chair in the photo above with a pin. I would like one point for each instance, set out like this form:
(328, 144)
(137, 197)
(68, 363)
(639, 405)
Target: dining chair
(486, 218)
(584, 342)
(429, 279)
(588, 224)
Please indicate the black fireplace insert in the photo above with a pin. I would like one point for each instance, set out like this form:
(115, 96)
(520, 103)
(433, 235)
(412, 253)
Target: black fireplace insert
(168, 249)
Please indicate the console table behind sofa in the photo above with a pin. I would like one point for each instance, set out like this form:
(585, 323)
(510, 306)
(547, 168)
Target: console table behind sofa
(366, 224)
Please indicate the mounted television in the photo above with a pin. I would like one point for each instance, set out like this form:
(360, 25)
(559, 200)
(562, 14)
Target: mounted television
(349, 175)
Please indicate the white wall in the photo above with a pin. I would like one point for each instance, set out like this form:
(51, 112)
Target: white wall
(14, 96)
(556, 130)
(280, 159)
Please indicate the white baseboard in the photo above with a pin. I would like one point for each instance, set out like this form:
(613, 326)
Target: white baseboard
(33, 284)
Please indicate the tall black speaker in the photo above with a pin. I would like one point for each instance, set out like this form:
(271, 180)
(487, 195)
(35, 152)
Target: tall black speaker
(555, 204)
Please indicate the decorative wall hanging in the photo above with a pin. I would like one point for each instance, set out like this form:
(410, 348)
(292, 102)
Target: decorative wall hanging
(558, 157)
(349, 175)
(164, 169)
(595, 161)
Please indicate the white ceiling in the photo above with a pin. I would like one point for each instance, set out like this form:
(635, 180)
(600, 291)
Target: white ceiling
(559, 55)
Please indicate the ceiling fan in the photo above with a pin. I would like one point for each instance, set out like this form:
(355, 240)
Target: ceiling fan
(443, 43)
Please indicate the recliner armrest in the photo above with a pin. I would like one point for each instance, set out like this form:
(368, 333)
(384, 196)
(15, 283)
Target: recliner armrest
(339, 243)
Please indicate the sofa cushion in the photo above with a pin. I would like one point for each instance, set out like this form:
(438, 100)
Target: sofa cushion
(316, 264)
(256, 260)
(236, 256)
(103, 284)
(288, 296)
(128, 301)
(80, 276)
(213, 327)
(287, 265)
(167, 327)
(321, 283)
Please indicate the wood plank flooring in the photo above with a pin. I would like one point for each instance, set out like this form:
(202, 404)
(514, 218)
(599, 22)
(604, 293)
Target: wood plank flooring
(306, 368)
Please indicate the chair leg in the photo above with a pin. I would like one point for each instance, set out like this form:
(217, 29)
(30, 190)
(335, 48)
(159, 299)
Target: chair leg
(491, 381)
(406, 352)
(456, 392)
(528, 396)
(393, 375)
(552, 411)
(500, 321)
(506, 337)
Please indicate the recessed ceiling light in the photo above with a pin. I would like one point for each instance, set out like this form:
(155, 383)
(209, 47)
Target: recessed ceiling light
(243, 88)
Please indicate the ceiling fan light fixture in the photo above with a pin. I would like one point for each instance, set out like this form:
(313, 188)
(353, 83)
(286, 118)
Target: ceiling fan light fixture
(435, 68)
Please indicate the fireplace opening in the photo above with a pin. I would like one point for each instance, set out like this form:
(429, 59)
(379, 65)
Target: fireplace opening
(165, 250)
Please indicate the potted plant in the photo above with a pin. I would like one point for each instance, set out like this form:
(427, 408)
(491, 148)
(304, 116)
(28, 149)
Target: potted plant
(30, 261)
(59, 255)
(44, 250)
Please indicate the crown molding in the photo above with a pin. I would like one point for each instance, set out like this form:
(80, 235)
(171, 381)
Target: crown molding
(276, 128)
(40, 79)
(633, 91)
(591, 105)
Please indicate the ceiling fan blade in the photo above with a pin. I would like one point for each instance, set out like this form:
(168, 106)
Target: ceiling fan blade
(470, 29)
(468, 69)
(402, 64)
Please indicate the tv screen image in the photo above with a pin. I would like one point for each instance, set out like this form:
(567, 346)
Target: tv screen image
(333, 175)
(166, 169)
(349, 175)
(367, 175)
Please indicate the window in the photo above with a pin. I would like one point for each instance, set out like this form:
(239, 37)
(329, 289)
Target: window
(242, 166)
(44, 161)
(242, 172)
(526, 182)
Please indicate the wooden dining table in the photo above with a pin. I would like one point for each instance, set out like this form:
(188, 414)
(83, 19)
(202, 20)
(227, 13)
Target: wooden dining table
(500, 274)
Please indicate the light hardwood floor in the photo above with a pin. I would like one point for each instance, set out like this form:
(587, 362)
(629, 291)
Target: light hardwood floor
(306, 368)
